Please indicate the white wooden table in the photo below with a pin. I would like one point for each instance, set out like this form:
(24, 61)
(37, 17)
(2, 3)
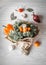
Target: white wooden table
(37, 56)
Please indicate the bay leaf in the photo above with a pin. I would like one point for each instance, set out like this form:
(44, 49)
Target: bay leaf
(29, 9)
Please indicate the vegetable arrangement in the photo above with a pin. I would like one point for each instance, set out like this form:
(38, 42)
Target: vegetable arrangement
(20, 30)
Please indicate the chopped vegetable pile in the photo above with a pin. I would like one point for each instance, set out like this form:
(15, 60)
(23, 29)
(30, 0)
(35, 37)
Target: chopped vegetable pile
(22, 30)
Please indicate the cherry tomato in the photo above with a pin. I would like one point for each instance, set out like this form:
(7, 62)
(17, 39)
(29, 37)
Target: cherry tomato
(20, 10)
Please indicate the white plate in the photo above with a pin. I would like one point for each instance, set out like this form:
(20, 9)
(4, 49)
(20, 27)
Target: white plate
(37, 56)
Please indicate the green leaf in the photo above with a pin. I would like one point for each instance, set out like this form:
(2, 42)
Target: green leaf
(28, 34)
(25, 34)
(31, 34)
(29, 9)
(16, 37)
(20, 35)
(12, 16)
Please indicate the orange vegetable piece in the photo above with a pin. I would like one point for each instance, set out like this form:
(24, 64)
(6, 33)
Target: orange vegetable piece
(20, 10)
(25, 29)
(21, 29)
(6, 32)
(37, 43)
(8, 28)
(29, 28)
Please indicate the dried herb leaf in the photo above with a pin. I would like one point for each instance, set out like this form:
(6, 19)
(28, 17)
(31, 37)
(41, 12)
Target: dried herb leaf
(12, 16)
(29, 9)
(25, 15)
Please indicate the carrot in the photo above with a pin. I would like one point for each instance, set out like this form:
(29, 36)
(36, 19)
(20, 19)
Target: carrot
(29, 28)
(25, 29)
(21, 29)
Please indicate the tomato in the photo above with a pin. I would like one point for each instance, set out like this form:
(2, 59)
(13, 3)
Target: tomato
(20, 10)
